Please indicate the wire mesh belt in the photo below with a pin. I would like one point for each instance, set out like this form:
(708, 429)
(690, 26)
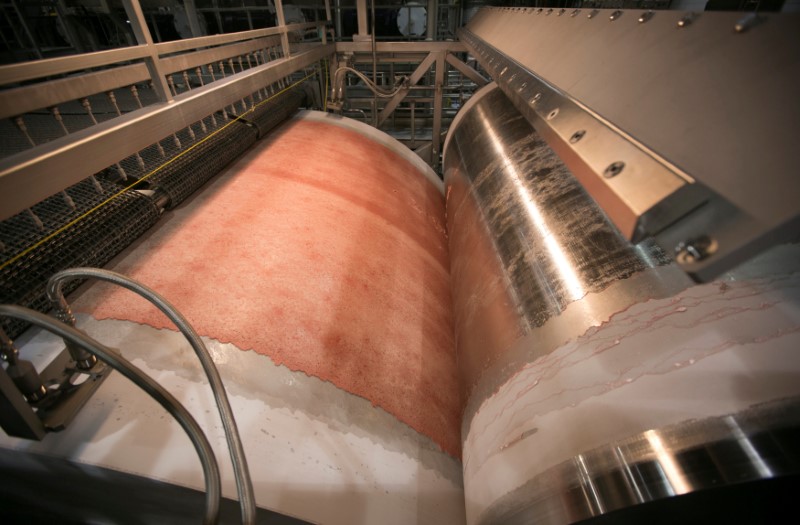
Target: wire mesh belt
(92, 241)
(95, 219)
(273, 112)
(184, 176)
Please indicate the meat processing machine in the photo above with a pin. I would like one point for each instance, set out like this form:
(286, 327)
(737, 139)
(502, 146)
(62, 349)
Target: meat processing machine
(548, 272)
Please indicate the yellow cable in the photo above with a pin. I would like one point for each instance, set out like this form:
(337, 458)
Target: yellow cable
(28, 250)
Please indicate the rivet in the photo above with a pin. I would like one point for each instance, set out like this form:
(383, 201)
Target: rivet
(553, 114)
(614, 169)
(536, 98)
(613, 16)
(644, 17)
(549, 12)
(574, 13)
(592, 14)
(561, 11)
(577, 136)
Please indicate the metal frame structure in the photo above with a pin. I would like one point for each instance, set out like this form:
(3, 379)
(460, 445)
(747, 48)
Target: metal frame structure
(426, 64)
(648, 166)
(45, 169)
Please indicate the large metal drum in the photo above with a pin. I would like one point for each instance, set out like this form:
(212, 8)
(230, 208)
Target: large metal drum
(596, 377)
(316, 268)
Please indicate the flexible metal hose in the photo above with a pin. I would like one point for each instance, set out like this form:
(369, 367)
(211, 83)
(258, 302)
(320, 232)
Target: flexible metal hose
(339, 87)
(244, 485)
(146, 383)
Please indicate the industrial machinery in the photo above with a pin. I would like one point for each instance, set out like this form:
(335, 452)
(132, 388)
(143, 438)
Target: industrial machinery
(544, 272)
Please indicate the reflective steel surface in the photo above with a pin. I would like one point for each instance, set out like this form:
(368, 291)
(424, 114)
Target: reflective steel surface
(526, 240)
(658, 464)
(596, 377)
(644, 96)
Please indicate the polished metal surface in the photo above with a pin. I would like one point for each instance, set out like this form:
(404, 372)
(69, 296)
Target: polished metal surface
(687, 91)
(641, 195)
(757, 444)
(526, 242)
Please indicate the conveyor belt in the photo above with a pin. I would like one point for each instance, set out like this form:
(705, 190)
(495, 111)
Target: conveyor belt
(91, 241)
(95, 219)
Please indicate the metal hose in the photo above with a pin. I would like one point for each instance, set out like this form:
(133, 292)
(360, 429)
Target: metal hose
(338, 84)
(146, 383)
(244, 485)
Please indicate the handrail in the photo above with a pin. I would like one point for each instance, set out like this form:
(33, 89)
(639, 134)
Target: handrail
(165, 48)
(13, 73)
(34, 69)
(32, 175)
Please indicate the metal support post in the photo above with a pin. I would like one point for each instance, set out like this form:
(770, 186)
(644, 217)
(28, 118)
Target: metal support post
(466, 70)
(191, 15)
(282, 26)
(436, 138)
(416, 76)
(430, 30)
(69, 29)
(25, 28)
(328, 10)
(338, 21)
(134, 11)
(247, 14)
(363, 33)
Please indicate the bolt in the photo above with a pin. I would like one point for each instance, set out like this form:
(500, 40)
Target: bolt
(686, 20)
(747, 22)
(577, 136)
(695, 249)
(614, 169)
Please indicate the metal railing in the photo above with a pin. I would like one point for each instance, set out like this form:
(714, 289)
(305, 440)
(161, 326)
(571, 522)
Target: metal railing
(64, 119)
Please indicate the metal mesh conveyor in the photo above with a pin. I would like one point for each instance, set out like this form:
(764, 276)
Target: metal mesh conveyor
(90, 222)
(274, 111)
(186, 173)
(91, 241)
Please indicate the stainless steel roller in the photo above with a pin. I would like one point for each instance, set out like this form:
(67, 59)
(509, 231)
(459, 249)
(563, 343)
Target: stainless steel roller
(582, 355)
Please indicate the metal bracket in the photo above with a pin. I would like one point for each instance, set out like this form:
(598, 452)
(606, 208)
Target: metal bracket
(68, 387)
